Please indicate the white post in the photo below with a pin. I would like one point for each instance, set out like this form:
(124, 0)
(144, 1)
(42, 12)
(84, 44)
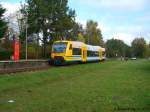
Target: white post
(26, 38)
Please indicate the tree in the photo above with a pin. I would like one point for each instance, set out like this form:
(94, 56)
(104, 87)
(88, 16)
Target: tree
(138, 47)
(117, 48)
(93, 34)
(147, 51)
(51, 17)
(80, 38)
(3, 24)
(77, 29)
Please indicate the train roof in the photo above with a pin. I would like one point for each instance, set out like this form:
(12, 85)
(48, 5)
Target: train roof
(75, 44)
(70, 41)
(93, 48)
(78, 44)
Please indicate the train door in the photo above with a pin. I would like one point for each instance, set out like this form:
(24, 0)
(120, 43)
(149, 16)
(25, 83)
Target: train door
(101, 54)
(84, 54)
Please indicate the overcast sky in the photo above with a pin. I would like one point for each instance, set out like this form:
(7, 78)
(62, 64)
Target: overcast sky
(121, 19)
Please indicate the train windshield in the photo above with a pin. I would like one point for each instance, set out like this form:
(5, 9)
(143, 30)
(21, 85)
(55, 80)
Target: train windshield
(59, 47)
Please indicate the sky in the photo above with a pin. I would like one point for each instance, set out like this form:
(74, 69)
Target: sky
(120, 19)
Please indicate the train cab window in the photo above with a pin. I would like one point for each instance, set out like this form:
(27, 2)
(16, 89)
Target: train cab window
(70, 48)
(76, 51)
(59, 47)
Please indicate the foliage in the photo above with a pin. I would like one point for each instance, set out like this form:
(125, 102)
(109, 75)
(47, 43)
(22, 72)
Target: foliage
(80, 38)
(51, 17)
(138, 47)
(77, 28)
(147, 51)
(117, 48)
(31, 52)
(34, 51)
(5, 54)
(6, 49)
(93, 34)
(3, 24)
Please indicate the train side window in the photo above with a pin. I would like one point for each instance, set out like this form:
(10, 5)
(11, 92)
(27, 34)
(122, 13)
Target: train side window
(96, 53)
(92, 53)
(76, 51)
(70, 48)
(89, 53)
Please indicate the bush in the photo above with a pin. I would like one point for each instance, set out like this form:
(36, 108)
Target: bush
(34, 51)
(5, 54)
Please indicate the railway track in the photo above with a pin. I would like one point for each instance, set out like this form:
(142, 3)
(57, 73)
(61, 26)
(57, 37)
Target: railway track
(26, 69)
(8, 67)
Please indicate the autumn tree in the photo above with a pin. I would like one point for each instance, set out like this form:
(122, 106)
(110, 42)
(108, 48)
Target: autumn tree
(80, 37)
(76, 30)
(93, 34)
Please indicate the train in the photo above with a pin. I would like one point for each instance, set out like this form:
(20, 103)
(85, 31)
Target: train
(66, 52)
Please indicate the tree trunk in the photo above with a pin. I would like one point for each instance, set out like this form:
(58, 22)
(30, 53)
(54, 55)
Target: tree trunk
(44, 43)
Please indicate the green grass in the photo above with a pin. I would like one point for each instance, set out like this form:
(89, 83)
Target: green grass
(112, 86)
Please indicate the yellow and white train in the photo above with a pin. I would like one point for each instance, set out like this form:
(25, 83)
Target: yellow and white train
(64, 52)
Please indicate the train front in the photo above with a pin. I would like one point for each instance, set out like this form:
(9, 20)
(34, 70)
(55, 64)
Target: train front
(58, 52)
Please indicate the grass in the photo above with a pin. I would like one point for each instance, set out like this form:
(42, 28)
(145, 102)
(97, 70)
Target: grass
(112, 86)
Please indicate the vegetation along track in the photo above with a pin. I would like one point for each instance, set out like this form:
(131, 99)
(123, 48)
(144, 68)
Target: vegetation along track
(9, 71)
(8, 67)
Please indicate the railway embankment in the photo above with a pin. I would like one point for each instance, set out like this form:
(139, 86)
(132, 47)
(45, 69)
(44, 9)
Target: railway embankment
(22, 65)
